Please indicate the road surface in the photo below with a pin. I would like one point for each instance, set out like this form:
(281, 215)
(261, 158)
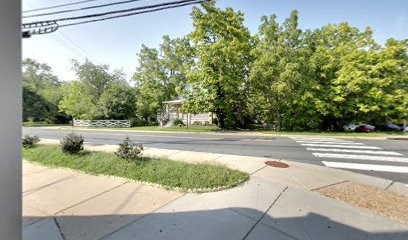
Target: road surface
(381, 158)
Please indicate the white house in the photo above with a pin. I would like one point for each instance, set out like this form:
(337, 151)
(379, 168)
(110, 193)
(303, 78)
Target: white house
(173, 111)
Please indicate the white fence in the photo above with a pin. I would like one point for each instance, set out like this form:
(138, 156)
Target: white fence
(101, 123)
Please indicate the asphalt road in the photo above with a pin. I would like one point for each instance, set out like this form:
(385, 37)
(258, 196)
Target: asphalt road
(388, 157)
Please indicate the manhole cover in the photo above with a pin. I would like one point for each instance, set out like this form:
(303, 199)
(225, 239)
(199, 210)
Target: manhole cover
(276, 164)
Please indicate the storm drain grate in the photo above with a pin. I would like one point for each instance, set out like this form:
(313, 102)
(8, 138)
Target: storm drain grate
(276, 164)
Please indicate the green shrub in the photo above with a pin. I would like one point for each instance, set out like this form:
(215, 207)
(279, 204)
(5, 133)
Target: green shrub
(135, 122)
(178, 122)
(197, 123)
(206, 123)
(30, 141)
(128, 149)
(72, 143)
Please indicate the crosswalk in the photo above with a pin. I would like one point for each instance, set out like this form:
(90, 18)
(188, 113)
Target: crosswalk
(347, 154)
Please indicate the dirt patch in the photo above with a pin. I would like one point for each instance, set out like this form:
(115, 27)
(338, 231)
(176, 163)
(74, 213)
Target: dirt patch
(390, 204)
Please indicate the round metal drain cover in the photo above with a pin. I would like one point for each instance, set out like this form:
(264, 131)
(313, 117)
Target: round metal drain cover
(276, 164)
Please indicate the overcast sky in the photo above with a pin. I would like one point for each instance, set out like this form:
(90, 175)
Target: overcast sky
(116, 42)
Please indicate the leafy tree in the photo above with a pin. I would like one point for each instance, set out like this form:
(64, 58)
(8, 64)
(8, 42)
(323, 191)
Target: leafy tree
(76, 102)
(96, 78)
(151, 83)
(82, 97)
(41, 93)
(280, 74)
(160, 75)
(117, 102)
(217, 81)
(35, 107)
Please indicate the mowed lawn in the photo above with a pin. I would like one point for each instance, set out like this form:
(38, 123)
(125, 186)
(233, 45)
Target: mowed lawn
(168, 173)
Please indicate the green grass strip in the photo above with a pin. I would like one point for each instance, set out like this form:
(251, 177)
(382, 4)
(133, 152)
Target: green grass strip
(168, 173)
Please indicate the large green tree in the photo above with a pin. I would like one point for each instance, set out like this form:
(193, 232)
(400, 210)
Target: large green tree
(117, 102)
(160, 75)
(218, 80)
(41, 93)
(82, 96)
(280, 74)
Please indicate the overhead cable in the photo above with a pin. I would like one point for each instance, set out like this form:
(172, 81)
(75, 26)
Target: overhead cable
(58, 6)
(123, 10)
(131, 14)
(81, 9)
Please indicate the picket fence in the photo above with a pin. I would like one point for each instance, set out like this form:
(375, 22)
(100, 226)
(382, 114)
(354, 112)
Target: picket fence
(102, 123)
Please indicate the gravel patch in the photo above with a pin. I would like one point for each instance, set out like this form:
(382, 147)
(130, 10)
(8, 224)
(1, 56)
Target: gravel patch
(389, 204)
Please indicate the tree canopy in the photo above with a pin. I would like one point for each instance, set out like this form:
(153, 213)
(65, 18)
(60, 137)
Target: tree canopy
(281, 76)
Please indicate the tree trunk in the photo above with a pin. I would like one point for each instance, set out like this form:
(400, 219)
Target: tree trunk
(218, 109)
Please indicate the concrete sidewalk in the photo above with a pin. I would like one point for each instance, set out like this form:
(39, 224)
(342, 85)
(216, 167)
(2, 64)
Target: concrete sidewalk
(274, 204)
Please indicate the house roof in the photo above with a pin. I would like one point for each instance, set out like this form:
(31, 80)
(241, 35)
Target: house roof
(178, 101)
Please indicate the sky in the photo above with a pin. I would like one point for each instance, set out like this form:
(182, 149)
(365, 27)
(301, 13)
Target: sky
(116, 42)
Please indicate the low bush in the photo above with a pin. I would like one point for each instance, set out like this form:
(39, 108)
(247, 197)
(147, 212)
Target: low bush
(178, 122)
(135, 122)
(72, 143)
(129, 150)
(30, 141)
(206, 123)
(197, 123)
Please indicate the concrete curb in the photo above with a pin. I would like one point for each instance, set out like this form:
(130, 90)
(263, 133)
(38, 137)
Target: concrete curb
(229, 133)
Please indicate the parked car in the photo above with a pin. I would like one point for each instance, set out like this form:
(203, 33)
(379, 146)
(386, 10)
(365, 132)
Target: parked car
(390, 127)
(350, 127)
(363, 128)
(371, 127)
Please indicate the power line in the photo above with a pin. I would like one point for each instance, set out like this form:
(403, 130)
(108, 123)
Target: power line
(58, 6)
(73, 50)
(79, 47)
(131, 14)
(81, 9)
(65, 44)
(125, 10)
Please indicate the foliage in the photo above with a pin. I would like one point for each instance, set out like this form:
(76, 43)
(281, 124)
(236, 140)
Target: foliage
(178, 122)
(129, 150)
(325, 78)
(171, 174)
(97, 94)
(221, 45)
(282, 77)
(160, 76)
(41, 93)
(117, 102)
(72, 143)
(30, 141)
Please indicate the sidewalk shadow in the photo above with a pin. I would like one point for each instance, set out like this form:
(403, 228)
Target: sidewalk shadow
(223, 224)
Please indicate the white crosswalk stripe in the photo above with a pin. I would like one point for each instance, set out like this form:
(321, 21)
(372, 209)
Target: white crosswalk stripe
(321, 139)
(353, 151)
(367, 167)
(334, 150)
(344, 143)
(340, 146)
(361, 157)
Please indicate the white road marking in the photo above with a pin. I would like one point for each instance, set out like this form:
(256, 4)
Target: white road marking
(345, 143)
(353, 151)
(339, 146)
(321, 139)
(367, 167)
(361, 157)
